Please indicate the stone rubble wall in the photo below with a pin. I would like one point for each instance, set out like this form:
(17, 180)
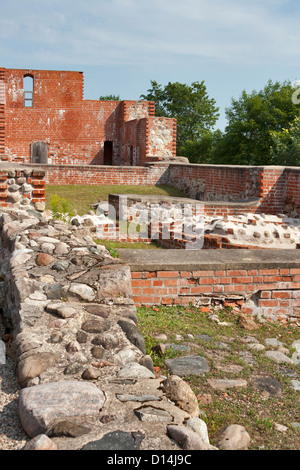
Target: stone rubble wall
(22, 187)
(71, 327)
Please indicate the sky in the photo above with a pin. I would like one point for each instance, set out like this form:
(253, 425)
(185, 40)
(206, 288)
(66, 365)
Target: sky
(121, 45)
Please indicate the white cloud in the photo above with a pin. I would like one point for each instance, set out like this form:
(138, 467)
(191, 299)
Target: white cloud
(135, 31)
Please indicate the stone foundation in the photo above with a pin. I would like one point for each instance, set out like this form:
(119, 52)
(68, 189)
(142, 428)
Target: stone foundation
(71, 328)
(22, 187)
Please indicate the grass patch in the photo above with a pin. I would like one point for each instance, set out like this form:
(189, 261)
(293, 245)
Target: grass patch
(82, 196)
(132, 245)
(249, 407)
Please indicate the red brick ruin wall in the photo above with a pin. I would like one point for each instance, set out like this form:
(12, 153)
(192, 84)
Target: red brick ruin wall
(76, 129)
(224, 190)
(276, 291)
(271, 187)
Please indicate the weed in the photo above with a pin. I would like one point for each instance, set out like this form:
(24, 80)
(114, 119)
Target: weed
(61, 208)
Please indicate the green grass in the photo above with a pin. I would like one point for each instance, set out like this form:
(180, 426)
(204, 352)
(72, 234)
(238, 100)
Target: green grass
(246, 406)
(82, 196)
(114, 245)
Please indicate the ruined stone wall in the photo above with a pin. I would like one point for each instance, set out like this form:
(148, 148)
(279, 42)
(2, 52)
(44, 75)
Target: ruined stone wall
(161, 138)
(22, 187)
(81, 362)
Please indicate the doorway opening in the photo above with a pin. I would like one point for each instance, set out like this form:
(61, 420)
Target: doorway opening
(39, 152)
(108, 152)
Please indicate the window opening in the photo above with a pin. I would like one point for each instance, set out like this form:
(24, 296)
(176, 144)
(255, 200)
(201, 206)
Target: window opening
(28, 91)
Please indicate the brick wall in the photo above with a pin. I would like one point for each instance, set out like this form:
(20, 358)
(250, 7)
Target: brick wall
(74, 129)
(293, 185)
(215, 182)
(103, 175)
(269, 188)
(276, 291)
(2, 112)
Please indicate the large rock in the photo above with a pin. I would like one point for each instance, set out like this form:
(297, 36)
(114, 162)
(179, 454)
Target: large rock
(133, 334)
(187, 438)
(181, 394)
(95, 325)
(42, 405)
(187, 365)
(82, 291)
(132, 370)
(233, 437)
(223, 384)
(247, 323)
(199, 426)
(44, 259)
(40, 442)
(34, 365)
(24, 287)
(117, 440)
(114, 281)
(278, 357)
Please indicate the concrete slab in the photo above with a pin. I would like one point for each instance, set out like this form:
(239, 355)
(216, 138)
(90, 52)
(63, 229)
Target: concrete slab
(185, 260)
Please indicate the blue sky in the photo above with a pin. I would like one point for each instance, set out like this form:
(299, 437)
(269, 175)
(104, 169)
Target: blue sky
(121, 45)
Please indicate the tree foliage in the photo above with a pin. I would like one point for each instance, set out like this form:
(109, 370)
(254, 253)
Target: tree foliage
(202, 150)
(189, 104)
(110, 98)
(252, 121)
(263, 127)
(285, 149)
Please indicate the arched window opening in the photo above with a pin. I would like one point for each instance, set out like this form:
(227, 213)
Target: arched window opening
(28, 91)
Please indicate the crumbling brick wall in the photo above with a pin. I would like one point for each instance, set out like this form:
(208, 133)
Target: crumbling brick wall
(75, 130)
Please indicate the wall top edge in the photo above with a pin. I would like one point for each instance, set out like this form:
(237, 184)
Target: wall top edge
(193, 260)
(40, 70)
(203, 165)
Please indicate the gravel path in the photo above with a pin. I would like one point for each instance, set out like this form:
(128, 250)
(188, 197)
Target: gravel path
(12, 436)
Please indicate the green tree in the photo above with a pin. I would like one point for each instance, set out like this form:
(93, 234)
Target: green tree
(202, 150)
(285, 149)
(252, 120)
(110, 98)
(195, 112)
